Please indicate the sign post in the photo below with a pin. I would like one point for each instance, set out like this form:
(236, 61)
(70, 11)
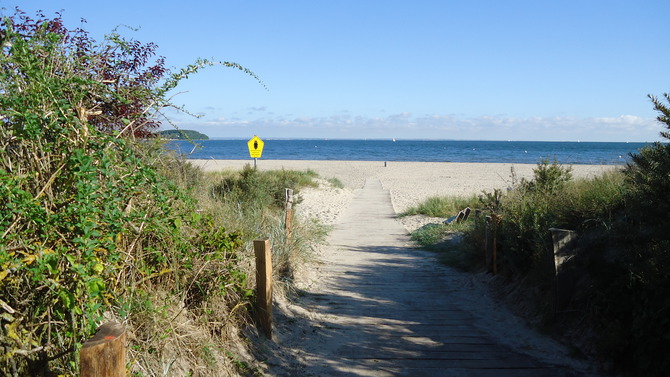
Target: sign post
(255, 148)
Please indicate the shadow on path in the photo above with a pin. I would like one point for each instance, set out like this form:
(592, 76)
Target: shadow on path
(381, 308)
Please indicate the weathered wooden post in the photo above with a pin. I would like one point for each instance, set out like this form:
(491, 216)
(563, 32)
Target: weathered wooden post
(564, 241)
(104, 355)
(563, 244)
(491, 241)
(288, 219)
(489, 244)
(264, 285)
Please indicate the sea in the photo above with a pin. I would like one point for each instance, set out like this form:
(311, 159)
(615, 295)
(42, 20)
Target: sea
(520, 152)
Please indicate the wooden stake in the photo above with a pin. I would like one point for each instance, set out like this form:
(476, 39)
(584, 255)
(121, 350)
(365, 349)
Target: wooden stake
(288, 220)
(492, 223)
(490, 241)
(564, 243)
(104, 355)
(264, 285)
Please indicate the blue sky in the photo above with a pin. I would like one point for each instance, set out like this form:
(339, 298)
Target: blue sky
(450, 69)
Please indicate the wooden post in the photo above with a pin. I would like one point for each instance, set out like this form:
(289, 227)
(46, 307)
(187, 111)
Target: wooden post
(288, 220)
(563, 244)
(563, 241)
(264, 285)
(104, 355)
(489, 244)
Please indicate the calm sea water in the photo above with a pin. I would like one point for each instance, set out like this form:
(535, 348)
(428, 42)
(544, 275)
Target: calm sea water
(530, 152)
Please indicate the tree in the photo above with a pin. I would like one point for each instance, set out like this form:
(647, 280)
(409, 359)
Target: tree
(664, 117)
(649, 171)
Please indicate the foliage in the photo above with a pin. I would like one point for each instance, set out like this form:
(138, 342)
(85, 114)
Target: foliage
(254, 188)
(649, 176)
(256, 200)
(548, 177)
(336, 182)
(664, 110)
(88, 220)
(182, 135)
(429, 235)
(642, 322)
(442, 206)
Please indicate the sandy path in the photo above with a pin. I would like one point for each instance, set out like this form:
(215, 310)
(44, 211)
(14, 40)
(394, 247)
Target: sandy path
(378, 307)
(384, 309)
(310, 333)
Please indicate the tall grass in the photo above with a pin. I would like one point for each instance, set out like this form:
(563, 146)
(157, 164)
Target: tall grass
(437, 206)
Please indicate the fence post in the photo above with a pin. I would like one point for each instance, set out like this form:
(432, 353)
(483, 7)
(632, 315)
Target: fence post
(264, 285)
(564, 241)
(491, 241)
(104, 355)
(288, 220)
(489, 244)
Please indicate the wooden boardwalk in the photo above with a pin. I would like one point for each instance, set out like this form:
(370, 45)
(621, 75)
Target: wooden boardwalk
(388, 310)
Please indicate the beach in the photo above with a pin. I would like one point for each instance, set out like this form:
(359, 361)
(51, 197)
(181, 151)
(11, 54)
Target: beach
(409, 183)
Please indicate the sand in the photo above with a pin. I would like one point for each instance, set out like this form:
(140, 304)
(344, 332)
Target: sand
(410, 183)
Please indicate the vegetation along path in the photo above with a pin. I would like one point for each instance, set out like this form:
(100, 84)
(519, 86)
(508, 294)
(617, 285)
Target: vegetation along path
(382, 308)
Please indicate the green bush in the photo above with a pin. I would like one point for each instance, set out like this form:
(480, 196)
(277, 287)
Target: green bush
(89, 221)
(548, 177)
(641, 286)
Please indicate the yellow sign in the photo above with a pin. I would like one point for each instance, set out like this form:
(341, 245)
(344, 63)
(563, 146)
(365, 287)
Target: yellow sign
(255, 147)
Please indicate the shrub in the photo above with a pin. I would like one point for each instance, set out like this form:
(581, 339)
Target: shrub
(548, 177)
(89, 222)
(641, 286)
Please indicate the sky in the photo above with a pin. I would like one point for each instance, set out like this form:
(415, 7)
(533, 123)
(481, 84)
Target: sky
(353, 69)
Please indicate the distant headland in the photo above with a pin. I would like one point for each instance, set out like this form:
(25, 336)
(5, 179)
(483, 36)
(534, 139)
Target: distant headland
(182, 135)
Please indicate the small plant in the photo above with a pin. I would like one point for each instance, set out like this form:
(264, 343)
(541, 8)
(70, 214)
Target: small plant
(336, 182)
(548, 177)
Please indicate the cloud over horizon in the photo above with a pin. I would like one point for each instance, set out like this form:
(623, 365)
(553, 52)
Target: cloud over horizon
(407, 126)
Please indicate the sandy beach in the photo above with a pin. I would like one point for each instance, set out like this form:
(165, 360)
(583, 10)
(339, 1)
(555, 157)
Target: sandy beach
(409, 182)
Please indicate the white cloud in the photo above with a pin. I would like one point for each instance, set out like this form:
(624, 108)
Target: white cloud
(436, 126)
